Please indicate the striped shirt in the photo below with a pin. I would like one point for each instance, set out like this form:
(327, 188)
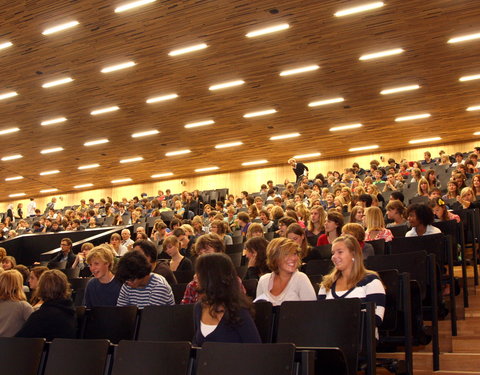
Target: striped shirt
(156, 292)
(369, 289)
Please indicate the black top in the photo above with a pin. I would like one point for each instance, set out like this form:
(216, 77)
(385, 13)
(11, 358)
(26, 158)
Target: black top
(185, 265)
(70, 258)
(300, 169)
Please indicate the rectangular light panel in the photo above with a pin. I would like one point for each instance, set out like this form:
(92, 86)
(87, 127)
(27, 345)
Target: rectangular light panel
(399, 89)
(345, 127)
(260, 113)
(145, 133)
(413, 117)
(231, 144)
(162, 98)
(7, 95)
(303, 69)
(57, 82)
(254, 162)
(181, 51)
(12, 157)
(53, 121)
(284, 136)
(88, 166)
(179, 152)
(325, 102)
(469, 78)
(473, 108)
(121, 180)
(50, 150)
(378, 55)
(47, 173)
(8, 131)
(96, 142)
(82, 186)
(14, 178)
(199, 123)
(225, 85)
(206, 169)
(359, 9)
(464, 38)
(307, 156)
(61, 27)
(114, 68)
(104, 110)
(267, 30)
(132, 5)
(17, 195)
(6, 45)
(363, 148)
(48, 190)
(160, 175)
(131, 160)
(423, 140)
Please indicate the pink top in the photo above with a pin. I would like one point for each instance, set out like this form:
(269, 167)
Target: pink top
(385, 234)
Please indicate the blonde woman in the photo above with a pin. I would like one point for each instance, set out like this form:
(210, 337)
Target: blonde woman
(375, 225)
(316, 224)
(423, 188)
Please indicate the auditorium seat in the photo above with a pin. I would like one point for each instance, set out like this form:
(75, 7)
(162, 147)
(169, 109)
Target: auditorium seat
(20, 356)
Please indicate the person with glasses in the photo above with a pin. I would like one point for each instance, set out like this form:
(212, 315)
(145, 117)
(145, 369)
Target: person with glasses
(65, 254)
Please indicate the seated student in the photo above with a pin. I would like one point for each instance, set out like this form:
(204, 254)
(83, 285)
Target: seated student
(8, 263)
(396, 212)
(285, 282)
(256, 253)
(420, 218)
(357, 214)
(14, 308)
(148, 249)
(316, 224)
(186, 243)
(297, 234)
(223, 312)
(255, 230)
(267, 224)
(452, 191)
(65, 254)
(357, 231)
(475, 185)
(103, 289)
(33, 278)
(350, 279)
(283, 224)
(116, 244)
(141, 287)
(365, 200)
(466, 199)
(219, 228)
(333, 228)
(171, 246)
(243, 222)
(81, 260)
(375, 225)
(56, 318)
(441, 212)
(423, 188)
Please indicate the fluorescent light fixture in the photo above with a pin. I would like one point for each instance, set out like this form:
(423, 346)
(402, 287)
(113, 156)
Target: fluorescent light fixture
(179, 152)
(231, 144)
(17, 195)
(47, 173)
(399, 89)
(464, 38)
(363, 148)
(131, 160)
(413, 117)
(473, 108)
(48, 190)
(8, 131)
(225, 85)
(307, 156)
(325, 102)
(377, 55)
(104, 110)
(131, 5)
(57, 82)
(50, 150)
(260, 113)
(303, 69)
(53, 121)
(267, 30)
(82, 186)
(7, 95)
(423, 140)
(5, 45)
(469, 78)
(145, 133)
(159, 175)
(359, 9)
(121, 66)
(61, 27)
(14, 178)
(476, 133)
(12, 157)
(162, 98)
(121, 180)
(254, 162)
(345, 127)
(206, 169)
(88, 166)
(199, 123)
(284, 136)
(96, 142)
(181, 51)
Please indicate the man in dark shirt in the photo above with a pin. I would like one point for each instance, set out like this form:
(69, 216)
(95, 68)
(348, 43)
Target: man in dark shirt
(300, 169)
(65, 254)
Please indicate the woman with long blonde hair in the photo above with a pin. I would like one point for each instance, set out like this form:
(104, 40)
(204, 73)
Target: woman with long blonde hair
(375, 225)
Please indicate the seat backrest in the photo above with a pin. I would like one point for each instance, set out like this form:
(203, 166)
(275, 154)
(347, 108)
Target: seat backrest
(161, 358)
(178, 291)
(322, 252)
(20, 355)
(71, 273)
(378, 246)
(250, 286)
(399, 231)
(239, 359)
(318, 267)
(236, 258)
(432, 244)
(166, 323)
(391, 281)
(269, 236)
(235, 248)
(264, 320)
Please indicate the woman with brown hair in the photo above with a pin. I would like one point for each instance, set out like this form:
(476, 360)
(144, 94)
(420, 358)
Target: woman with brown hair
(316, 224)
(333, 228)
(35, 274)
(256, 253)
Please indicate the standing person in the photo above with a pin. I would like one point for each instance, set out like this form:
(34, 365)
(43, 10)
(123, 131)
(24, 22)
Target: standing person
(300, 169)
(32, 205)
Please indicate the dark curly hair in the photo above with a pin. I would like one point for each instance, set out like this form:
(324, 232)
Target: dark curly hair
(423, 213)
(133, 265)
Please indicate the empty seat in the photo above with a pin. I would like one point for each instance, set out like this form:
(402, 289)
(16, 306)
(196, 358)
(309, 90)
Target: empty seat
(20, 356)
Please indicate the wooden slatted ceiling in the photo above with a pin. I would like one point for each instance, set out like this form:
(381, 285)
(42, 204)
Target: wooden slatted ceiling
(147, 34)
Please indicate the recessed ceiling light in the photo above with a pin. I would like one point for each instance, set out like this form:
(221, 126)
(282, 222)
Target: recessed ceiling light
(46, 173)
(161, 175)
(11, 157)
(255, 162)
(399, 89)
(206, 169)
(131, 160)
(7, 95)
(225, 85)
(145, 133)
(121, 180)
(284, 136)
(82, 186)
(464, 38)
(473, 108)
(413, 117)
(303, 69)
(345, 127)
(162, 98)
(260, 113)
(121, 66)
(199, 123)
(88, 166)
(8, 131)
(50, 150)
(179, 152)
(48, 190)
(14, 178)
(267, 30)
(476, 133)
(377, 55)
(363, 148)
(53, 121)
(5, 45)
(469, 78)
(17, 195)
(104, 110)
(359, 9)
(307, 156)
(133, 4)
(413, 141)
(193, 48)
(231, 144)
(57, 82)
(60, 27)
(96, 142)
(325, 102)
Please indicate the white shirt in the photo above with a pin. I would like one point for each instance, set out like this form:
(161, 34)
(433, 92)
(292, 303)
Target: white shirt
(32, 205)
(430, 230)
